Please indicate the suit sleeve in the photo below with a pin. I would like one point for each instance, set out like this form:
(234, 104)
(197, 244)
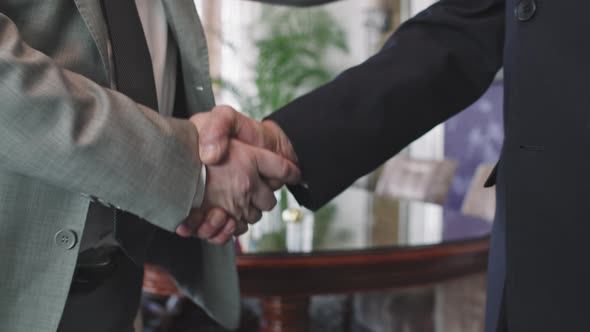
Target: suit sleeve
(434, 66)
(64, 129)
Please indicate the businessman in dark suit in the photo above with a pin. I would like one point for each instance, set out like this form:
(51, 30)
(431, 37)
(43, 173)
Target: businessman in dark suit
(434, 66)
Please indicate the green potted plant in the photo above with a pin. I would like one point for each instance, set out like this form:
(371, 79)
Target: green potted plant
(292, 59)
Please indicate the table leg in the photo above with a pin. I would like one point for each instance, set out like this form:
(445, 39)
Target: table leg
(348, 313)
(285, 314)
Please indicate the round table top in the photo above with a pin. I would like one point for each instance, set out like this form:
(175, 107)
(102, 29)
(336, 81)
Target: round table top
(361, 241)
(359, 220)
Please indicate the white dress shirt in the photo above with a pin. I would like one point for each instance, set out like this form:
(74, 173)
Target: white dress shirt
(162, 49)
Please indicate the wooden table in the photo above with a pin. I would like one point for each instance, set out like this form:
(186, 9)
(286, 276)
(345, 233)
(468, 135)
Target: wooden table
(391, 244)
(387, 258)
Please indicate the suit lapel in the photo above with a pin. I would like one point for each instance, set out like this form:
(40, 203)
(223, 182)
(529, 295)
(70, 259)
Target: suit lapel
(219, 291)
(189, 35)
(91, 13)
(187, 31)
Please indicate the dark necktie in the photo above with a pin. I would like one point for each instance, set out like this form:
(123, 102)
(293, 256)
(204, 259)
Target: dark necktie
(134, 77)
(134, 74)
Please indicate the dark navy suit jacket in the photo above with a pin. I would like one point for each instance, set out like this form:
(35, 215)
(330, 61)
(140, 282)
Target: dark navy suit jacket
(434, 66)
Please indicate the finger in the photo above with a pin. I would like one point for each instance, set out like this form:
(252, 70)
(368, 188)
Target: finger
(263, 197)
(273, 166)
(273, 184)
(184, 230)
(194, 220)
(215, 221)
(225, 234)
(274, 133)
(252, 215)
(241, 228)
(215, 128)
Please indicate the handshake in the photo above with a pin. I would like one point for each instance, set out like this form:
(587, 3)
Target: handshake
(246, 161)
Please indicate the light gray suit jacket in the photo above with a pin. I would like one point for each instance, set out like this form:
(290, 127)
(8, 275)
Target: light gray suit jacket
(66, 137)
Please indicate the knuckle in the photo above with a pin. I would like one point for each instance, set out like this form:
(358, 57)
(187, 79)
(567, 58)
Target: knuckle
(195, 119)
(230, 228)
(226, 111)
(214, 132)
(254, 216)
(268, 203)
(284, 168)
(245, 229)
(204, 232)
(274, 184)
(241, 227)
(271, 203)
(235, 211)
(244, 185)
(216, 214)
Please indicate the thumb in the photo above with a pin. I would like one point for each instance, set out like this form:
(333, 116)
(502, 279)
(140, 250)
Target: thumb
(218, 126)
(213, 149)
(215, 129)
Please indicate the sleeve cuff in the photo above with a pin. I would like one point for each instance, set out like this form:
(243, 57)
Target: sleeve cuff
(200, 194)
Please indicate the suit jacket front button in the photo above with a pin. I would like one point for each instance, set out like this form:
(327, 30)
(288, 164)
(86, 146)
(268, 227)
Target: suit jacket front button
(65, 239)
(525, 10)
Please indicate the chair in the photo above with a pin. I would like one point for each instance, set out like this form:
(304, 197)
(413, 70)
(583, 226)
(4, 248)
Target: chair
(158, 283)
(479, 201)
(414, 179)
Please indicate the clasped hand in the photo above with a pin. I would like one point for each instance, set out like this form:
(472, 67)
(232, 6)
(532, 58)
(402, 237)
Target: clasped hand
(246, 161)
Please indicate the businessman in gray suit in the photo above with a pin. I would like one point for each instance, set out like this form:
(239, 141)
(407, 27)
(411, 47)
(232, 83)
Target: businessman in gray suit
(99, 165)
